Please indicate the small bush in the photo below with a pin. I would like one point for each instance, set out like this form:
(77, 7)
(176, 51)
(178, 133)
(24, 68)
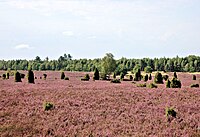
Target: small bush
(168, 83)
(115, 81)
(152, 85)
(22, 75)
(7, 75)
(138, 75)
(175, 75)
(170, 112)
(48, 106)
(158, 78)
(165, 77)
(17, 77)
(175, 83)
(66, 78)
(86, 78)
(142, 85)
(4, 76)
(146, 77)
(96, 74)
(122, 76)
(131, 77)
(114, 75)
(30, 77)
(44, 76)
(194, 86)
(150, 77)
(194, 77)
(62, 75)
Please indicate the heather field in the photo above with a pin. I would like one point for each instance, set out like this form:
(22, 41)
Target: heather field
(97, 108)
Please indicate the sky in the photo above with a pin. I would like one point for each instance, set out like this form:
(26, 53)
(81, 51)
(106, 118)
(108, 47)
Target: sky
(92, 28)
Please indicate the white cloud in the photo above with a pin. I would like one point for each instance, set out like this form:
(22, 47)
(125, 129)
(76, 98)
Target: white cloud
(23, 46)
(68, 33)
(92, 37)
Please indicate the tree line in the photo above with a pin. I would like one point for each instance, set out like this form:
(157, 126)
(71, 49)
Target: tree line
(190, 63)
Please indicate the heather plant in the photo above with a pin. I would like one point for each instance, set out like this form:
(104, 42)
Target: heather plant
(96, 74)
(152, 85)
(17, 77)
(194, 86)
(158, 79)
(150, 77)
(62, 75)
(146, 77)
(115, 81)
(48, 106)
(142, 85)
(168, 83)
(194, 77)
(30, 76)
(170, 112)
(175, 83)
(4, 76)
(175, 75)
(44, 76)
(165, 77)
(7, 75)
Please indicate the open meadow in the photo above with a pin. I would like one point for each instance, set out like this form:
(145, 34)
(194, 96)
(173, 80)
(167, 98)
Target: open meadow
(97, 108)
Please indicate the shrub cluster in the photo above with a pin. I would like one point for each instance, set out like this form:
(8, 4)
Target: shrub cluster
(86, 78)
(138, 75)
(194, 86)
(174, 83)
(115, 81)
(17, 77)
(158, 78)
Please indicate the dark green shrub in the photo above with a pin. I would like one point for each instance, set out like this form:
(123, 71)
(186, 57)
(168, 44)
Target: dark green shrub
(114, 75)
(17, 77)
(152, 85)
(170, 112)
(131, 77)
(115, 81)
(168, 83)
(66, 78)
(194, 77)
(194, 86)
(150, 77)
(146, 77)
(62, 75)
(175, 75)
(122, 76)
(138, 75)
(86, 78)
(165, 77)
(175, 83)
(148, 69)
(44, 76)
(22, 75)
(141, 85)
(48, 106)
(158, 79)
(96, 74)
(103, 76)
(7, 75)
(30, 76)
(4, 76)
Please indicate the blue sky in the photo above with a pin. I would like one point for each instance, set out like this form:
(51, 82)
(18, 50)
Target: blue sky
(91, 28)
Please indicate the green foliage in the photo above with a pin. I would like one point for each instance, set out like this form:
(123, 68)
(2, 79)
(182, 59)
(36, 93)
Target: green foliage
(115, 81)
(170, 112)
(194, 77)
(48, 106)
(17, 77)
(62, 75)
(142, 85)
(175, 83)
(146, 77)
(30, 76)
(158, 79)
(103, 76)
(108, 64)
(194, 85)
(148, 69)
(152, 85)
(168, 83)
(136, 68)
(96, 74)
(150, 77)
(165, 77)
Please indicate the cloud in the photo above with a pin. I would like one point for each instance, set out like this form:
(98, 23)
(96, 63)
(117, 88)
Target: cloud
(23, 46)
(68, 33)
(92, 37)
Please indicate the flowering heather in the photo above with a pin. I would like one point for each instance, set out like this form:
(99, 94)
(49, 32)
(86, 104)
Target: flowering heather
(97, 108)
